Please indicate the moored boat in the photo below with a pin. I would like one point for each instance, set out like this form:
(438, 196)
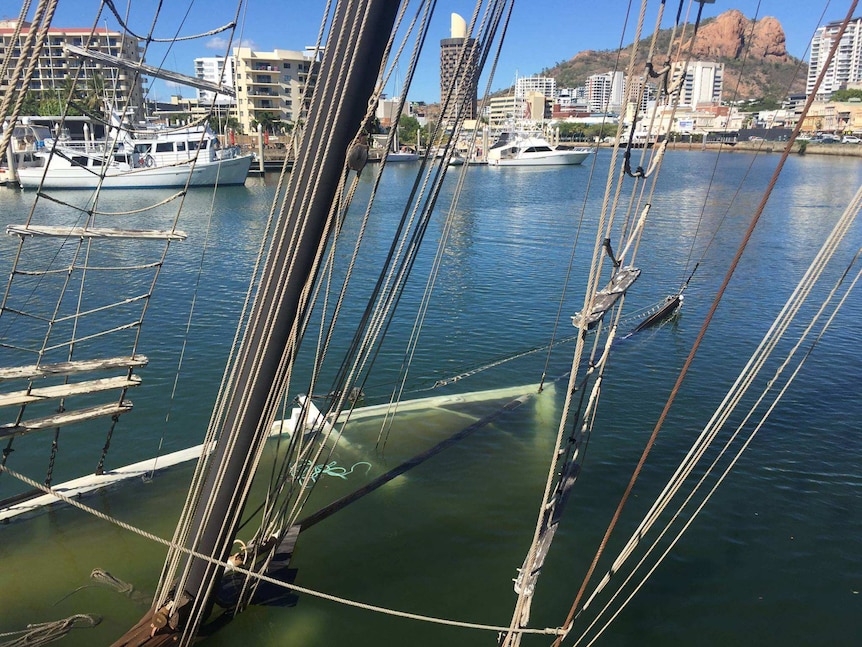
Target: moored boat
(522, 149)
(25, 142)
(169, 158)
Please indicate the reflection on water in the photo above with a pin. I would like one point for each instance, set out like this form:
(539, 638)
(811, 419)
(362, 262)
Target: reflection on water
(445, 538)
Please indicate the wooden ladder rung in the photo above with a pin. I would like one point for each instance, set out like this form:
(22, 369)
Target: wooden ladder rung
(95, 232)
(34, 371)
(64, 418)
(57, 391)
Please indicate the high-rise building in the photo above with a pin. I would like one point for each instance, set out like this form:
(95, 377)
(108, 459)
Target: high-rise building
(605, 92)
(55, 68)
(640, 92)
(703, 83)
(215, 70)
(847, 65)
(462, 80)
(274, 83)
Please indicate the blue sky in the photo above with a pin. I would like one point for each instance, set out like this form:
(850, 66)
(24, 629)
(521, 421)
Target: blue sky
(541, 33)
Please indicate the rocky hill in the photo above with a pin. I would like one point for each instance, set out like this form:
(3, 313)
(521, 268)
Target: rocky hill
(756, 62)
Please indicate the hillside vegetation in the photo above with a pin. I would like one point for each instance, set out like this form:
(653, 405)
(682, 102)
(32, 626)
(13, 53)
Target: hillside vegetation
(755, 59)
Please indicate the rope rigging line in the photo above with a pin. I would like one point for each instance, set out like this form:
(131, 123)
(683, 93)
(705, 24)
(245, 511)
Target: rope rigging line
(323, 126)
(341, 390)
(719, 294)
(212, 32)
(258, 576)
(42, 633)
(545, 526)
(731, 401)
(490, 24)
(279, 198)
(563, 469)
(7, 58)
(37, 36)
(718, 157)
(283, 484)
(388, 286)
(81, 263)
(414, 243)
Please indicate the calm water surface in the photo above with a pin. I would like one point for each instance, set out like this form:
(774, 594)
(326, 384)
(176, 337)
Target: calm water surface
(774, 559)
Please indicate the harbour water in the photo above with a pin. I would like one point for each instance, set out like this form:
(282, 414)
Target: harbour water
(775, 558)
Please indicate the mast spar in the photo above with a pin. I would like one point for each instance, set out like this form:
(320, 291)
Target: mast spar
(251, 401)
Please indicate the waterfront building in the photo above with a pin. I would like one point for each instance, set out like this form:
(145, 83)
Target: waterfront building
(605, 92)
(55, 68)
(847, 65)
(272, 85)
(571, 98)
(703, 83)
(502, 111)
(537, 107)
(834, 117)
(387, 109)
(463, 78)
(640, 91)
(544, 85)
(215, 69)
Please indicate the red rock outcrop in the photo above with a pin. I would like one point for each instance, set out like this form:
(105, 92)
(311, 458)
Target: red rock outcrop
(768, 41)
(731, 33)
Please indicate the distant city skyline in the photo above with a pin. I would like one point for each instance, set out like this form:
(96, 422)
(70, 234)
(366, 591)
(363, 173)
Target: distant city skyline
(541, 33)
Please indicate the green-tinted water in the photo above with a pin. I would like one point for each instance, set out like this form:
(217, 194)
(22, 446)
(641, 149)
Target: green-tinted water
(774, 559)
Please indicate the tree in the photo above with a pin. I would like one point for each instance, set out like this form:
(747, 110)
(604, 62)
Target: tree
(763, 103)
(30, 106)
(570, 130)
(846, 95)
(92, 97)
(51, 106)
(223, 123)
(269, 122)
(407, 129)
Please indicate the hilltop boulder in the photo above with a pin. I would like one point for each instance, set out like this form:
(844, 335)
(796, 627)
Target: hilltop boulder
(731, 33)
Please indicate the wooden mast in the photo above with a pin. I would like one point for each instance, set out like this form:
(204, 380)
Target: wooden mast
(338, 105)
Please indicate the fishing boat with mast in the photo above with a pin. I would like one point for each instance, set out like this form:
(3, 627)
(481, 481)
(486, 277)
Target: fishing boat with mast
(312, 334)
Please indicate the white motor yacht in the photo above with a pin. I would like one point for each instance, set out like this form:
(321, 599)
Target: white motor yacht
(516, 149)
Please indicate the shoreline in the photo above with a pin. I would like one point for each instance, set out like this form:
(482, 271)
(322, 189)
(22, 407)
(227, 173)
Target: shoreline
(843, 150)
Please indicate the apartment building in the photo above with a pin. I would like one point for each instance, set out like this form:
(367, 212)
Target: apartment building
(703, 83)
(845, 68)
(56, 68)
(273, 82)
(215, 69)
(640, 91)
(605, 92)
(544, 85)
(504, 110)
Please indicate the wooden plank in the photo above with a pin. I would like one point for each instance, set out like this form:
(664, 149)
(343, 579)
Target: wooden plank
(64, 418)
(607, 297)
(95, 232)
(34, 371)
(57, 391)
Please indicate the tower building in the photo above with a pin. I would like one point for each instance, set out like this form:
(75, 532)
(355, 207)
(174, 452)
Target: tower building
(458, 63)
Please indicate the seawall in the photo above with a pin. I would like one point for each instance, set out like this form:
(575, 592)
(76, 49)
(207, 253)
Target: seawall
(847, 150)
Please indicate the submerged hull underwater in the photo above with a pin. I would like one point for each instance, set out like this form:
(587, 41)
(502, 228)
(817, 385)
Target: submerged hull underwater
(445, 538)
(410, 528)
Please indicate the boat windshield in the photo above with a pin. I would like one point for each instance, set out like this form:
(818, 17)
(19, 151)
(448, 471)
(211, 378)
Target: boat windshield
(503, 139)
